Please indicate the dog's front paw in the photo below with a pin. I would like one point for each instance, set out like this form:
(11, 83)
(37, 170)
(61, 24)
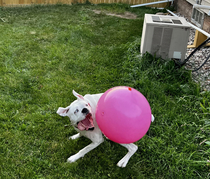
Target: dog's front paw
(72, 159)
(76, 136)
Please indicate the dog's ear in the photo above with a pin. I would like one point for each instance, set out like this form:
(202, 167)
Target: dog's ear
(78, 96)
(63, 111)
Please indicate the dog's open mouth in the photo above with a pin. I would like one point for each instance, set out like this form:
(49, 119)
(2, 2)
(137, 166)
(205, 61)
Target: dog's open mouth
(86, 124)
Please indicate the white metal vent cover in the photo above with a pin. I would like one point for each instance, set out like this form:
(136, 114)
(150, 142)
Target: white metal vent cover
(197, 17)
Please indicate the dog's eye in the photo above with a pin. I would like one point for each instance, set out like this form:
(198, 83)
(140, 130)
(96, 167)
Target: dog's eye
(76, 111)
(86, 105)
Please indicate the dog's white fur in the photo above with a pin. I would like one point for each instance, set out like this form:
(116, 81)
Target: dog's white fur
(74, 112)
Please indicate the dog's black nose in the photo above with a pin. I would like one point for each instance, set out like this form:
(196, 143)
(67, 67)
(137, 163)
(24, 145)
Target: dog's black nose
(85, 111)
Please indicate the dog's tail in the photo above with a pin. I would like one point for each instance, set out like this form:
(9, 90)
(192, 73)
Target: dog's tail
(153, 118)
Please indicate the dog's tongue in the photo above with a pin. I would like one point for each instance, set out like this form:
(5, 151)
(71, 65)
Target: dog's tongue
(86, 123)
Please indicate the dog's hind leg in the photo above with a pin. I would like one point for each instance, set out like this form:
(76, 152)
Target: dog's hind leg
(132, 148)
(153, 118)
(76, 136)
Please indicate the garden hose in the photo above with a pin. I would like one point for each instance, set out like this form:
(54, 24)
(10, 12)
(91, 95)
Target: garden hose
(192, 53)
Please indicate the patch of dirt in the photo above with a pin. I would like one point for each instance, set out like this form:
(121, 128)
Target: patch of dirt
(126, 15)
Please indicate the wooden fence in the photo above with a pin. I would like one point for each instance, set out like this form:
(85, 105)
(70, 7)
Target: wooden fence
(30, 2)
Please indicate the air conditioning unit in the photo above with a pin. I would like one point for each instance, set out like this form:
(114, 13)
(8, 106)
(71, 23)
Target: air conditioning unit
(165, 36)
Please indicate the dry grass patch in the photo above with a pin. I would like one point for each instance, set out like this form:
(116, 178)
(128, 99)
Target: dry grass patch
(126, 15)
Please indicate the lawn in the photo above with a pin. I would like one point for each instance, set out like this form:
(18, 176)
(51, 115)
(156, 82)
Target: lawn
(47, 51)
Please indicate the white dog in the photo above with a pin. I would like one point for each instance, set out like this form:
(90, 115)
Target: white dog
(82, 116)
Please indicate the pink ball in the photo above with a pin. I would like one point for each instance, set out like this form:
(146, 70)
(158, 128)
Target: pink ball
(123, 114)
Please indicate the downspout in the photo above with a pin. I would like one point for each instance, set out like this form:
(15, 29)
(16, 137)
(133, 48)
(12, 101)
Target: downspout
(151, 3)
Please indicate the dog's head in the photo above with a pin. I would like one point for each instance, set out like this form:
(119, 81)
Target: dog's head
(79, 113)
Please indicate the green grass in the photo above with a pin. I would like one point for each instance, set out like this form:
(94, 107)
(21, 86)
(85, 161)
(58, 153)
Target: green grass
(47, 51)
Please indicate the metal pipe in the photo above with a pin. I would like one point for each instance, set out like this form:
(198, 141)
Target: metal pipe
(193, 26)
(151, 3)
(172, 13)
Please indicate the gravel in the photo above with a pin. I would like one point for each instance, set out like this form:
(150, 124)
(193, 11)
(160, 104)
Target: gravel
(201, 76)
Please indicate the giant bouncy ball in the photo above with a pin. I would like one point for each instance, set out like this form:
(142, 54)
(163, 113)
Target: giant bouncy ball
(123, 114)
